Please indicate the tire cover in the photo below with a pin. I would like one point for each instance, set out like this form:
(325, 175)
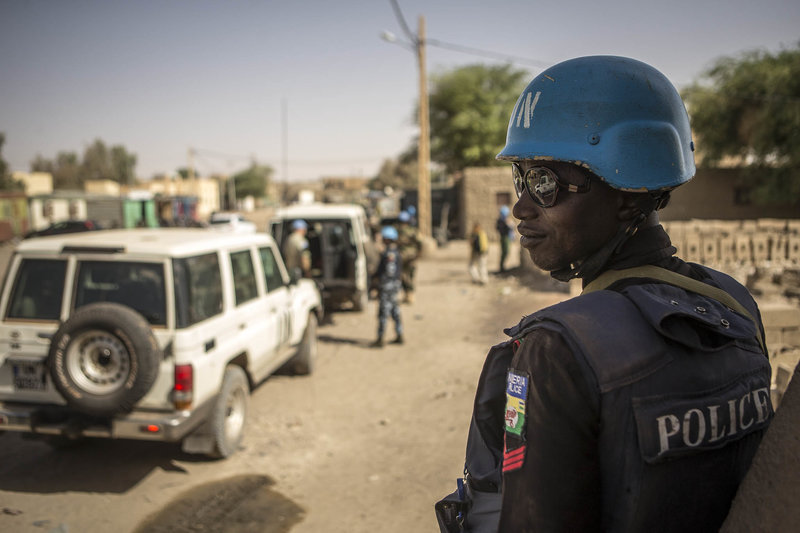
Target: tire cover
(104, 359)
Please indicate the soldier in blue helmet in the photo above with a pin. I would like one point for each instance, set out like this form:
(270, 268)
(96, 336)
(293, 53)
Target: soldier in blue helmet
(638, 405)
(388, 277)
(505, 233)
(296, 254)
(410, 245)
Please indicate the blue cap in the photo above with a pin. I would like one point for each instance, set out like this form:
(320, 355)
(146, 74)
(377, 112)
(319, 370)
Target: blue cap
(389, 232)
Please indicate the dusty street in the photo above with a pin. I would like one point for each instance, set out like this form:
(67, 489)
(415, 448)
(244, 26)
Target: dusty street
(367, 443)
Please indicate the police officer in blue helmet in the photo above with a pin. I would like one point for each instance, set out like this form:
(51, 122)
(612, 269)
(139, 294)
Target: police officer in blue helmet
(388, 281)
(639, 404)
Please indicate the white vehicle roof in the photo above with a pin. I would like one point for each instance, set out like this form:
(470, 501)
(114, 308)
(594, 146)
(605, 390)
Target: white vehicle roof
(160, 242)
(316, 210)
(223, 215)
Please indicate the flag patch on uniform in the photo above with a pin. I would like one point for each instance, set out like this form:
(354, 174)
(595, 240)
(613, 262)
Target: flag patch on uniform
(516, 396)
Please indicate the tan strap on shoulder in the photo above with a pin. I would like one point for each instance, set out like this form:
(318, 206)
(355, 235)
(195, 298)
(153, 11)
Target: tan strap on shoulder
(673, 278)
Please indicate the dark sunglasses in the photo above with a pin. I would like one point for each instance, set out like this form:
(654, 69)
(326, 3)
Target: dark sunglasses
(543, 184)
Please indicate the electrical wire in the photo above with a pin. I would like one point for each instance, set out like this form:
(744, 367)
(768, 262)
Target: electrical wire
(399, 15)
(487, 53)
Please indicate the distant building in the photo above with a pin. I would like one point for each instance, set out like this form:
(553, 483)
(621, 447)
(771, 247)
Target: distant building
(35, 182)
(104, 187)
(205, 190)
(344, 189)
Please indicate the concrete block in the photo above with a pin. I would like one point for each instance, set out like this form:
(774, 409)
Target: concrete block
(727, 249)
(744, 248)
(790, 336)
(694, 248)
(778, 247)
(780, 315)
(793, 249)
(760, 247)
(710, 242)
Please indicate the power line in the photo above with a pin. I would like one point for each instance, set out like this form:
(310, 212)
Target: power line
(399, 15)
(487, 53)
(457, 47)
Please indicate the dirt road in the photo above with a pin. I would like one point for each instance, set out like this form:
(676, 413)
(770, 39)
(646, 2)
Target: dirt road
(367, 443)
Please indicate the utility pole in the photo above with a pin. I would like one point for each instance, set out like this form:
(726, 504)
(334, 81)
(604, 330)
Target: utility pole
(191, 166)
(424, 151)
(285, 141)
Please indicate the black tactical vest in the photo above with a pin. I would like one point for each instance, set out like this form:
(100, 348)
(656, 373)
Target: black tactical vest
(683, 386)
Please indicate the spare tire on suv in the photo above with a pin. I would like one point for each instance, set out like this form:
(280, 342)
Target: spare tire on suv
(104, 359)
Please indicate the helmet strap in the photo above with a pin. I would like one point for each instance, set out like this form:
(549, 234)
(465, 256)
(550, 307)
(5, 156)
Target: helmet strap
(589, 268)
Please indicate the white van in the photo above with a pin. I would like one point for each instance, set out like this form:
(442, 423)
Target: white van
(155, 334)
(343, 255)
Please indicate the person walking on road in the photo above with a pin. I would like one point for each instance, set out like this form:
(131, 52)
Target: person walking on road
(505, 233)
(639, 404)
(479, 252)
(388, 280)
(410, 246)
(296, 254)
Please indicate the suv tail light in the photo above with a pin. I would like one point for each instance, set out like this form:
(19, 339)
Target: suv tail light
(183, 391)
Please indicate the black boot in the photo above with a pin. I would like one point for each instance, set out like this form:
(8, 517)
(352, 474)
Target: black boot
(378, 343)
(398, 340)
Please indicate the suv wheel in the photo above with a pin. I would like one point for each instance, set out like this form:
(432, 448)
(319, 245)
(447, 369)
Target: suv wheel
(230, 412)
(303, 361)
(104, 359)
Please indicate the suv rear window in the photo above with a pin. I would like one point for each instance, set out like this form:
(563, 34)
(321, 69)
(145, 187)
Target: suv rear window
(38, 290)
(140, 286)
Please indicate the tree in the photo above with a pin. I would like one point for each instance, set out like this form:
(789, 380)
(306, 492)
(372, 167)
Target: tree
(748, 109)
(7, 183)
(400, 173)
(116, 164)
(253, 181)
(96, 163)
(122, 165)
(469, 111)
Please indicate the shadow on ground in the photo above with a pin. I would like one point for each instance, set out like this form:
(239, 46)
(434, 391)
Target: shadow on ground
(240, 504)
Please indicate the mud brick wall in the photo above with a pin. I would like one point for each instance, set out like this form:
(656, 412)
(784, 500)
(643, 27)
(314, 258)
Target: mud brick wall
(717, 243)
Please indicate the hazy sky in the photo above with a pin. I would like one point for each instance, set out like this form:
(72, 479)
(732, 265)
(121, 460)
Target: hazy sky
(159, 77)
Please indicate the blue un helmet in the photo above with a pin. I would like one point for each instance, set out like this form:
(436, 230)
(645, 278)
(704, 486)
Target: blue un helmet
(299, 224)
(389, 233)
(404, 216)
(504, 211)
(620, 118)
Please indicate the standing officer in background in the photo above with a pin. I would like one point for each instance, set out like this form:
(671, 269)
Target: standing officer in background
(505, 231)
(388, 282)
(638, 405)
(409, 245)
(296, 254)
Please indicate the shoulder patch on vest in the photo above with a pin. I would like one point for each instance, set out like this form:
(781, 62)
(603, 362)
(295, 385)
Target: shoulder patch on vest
(516, 400)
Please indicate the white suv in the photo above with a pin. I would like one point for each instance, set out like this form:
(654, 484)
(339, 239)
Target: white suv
(231, 222)
(154, 334)
(343, 256)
